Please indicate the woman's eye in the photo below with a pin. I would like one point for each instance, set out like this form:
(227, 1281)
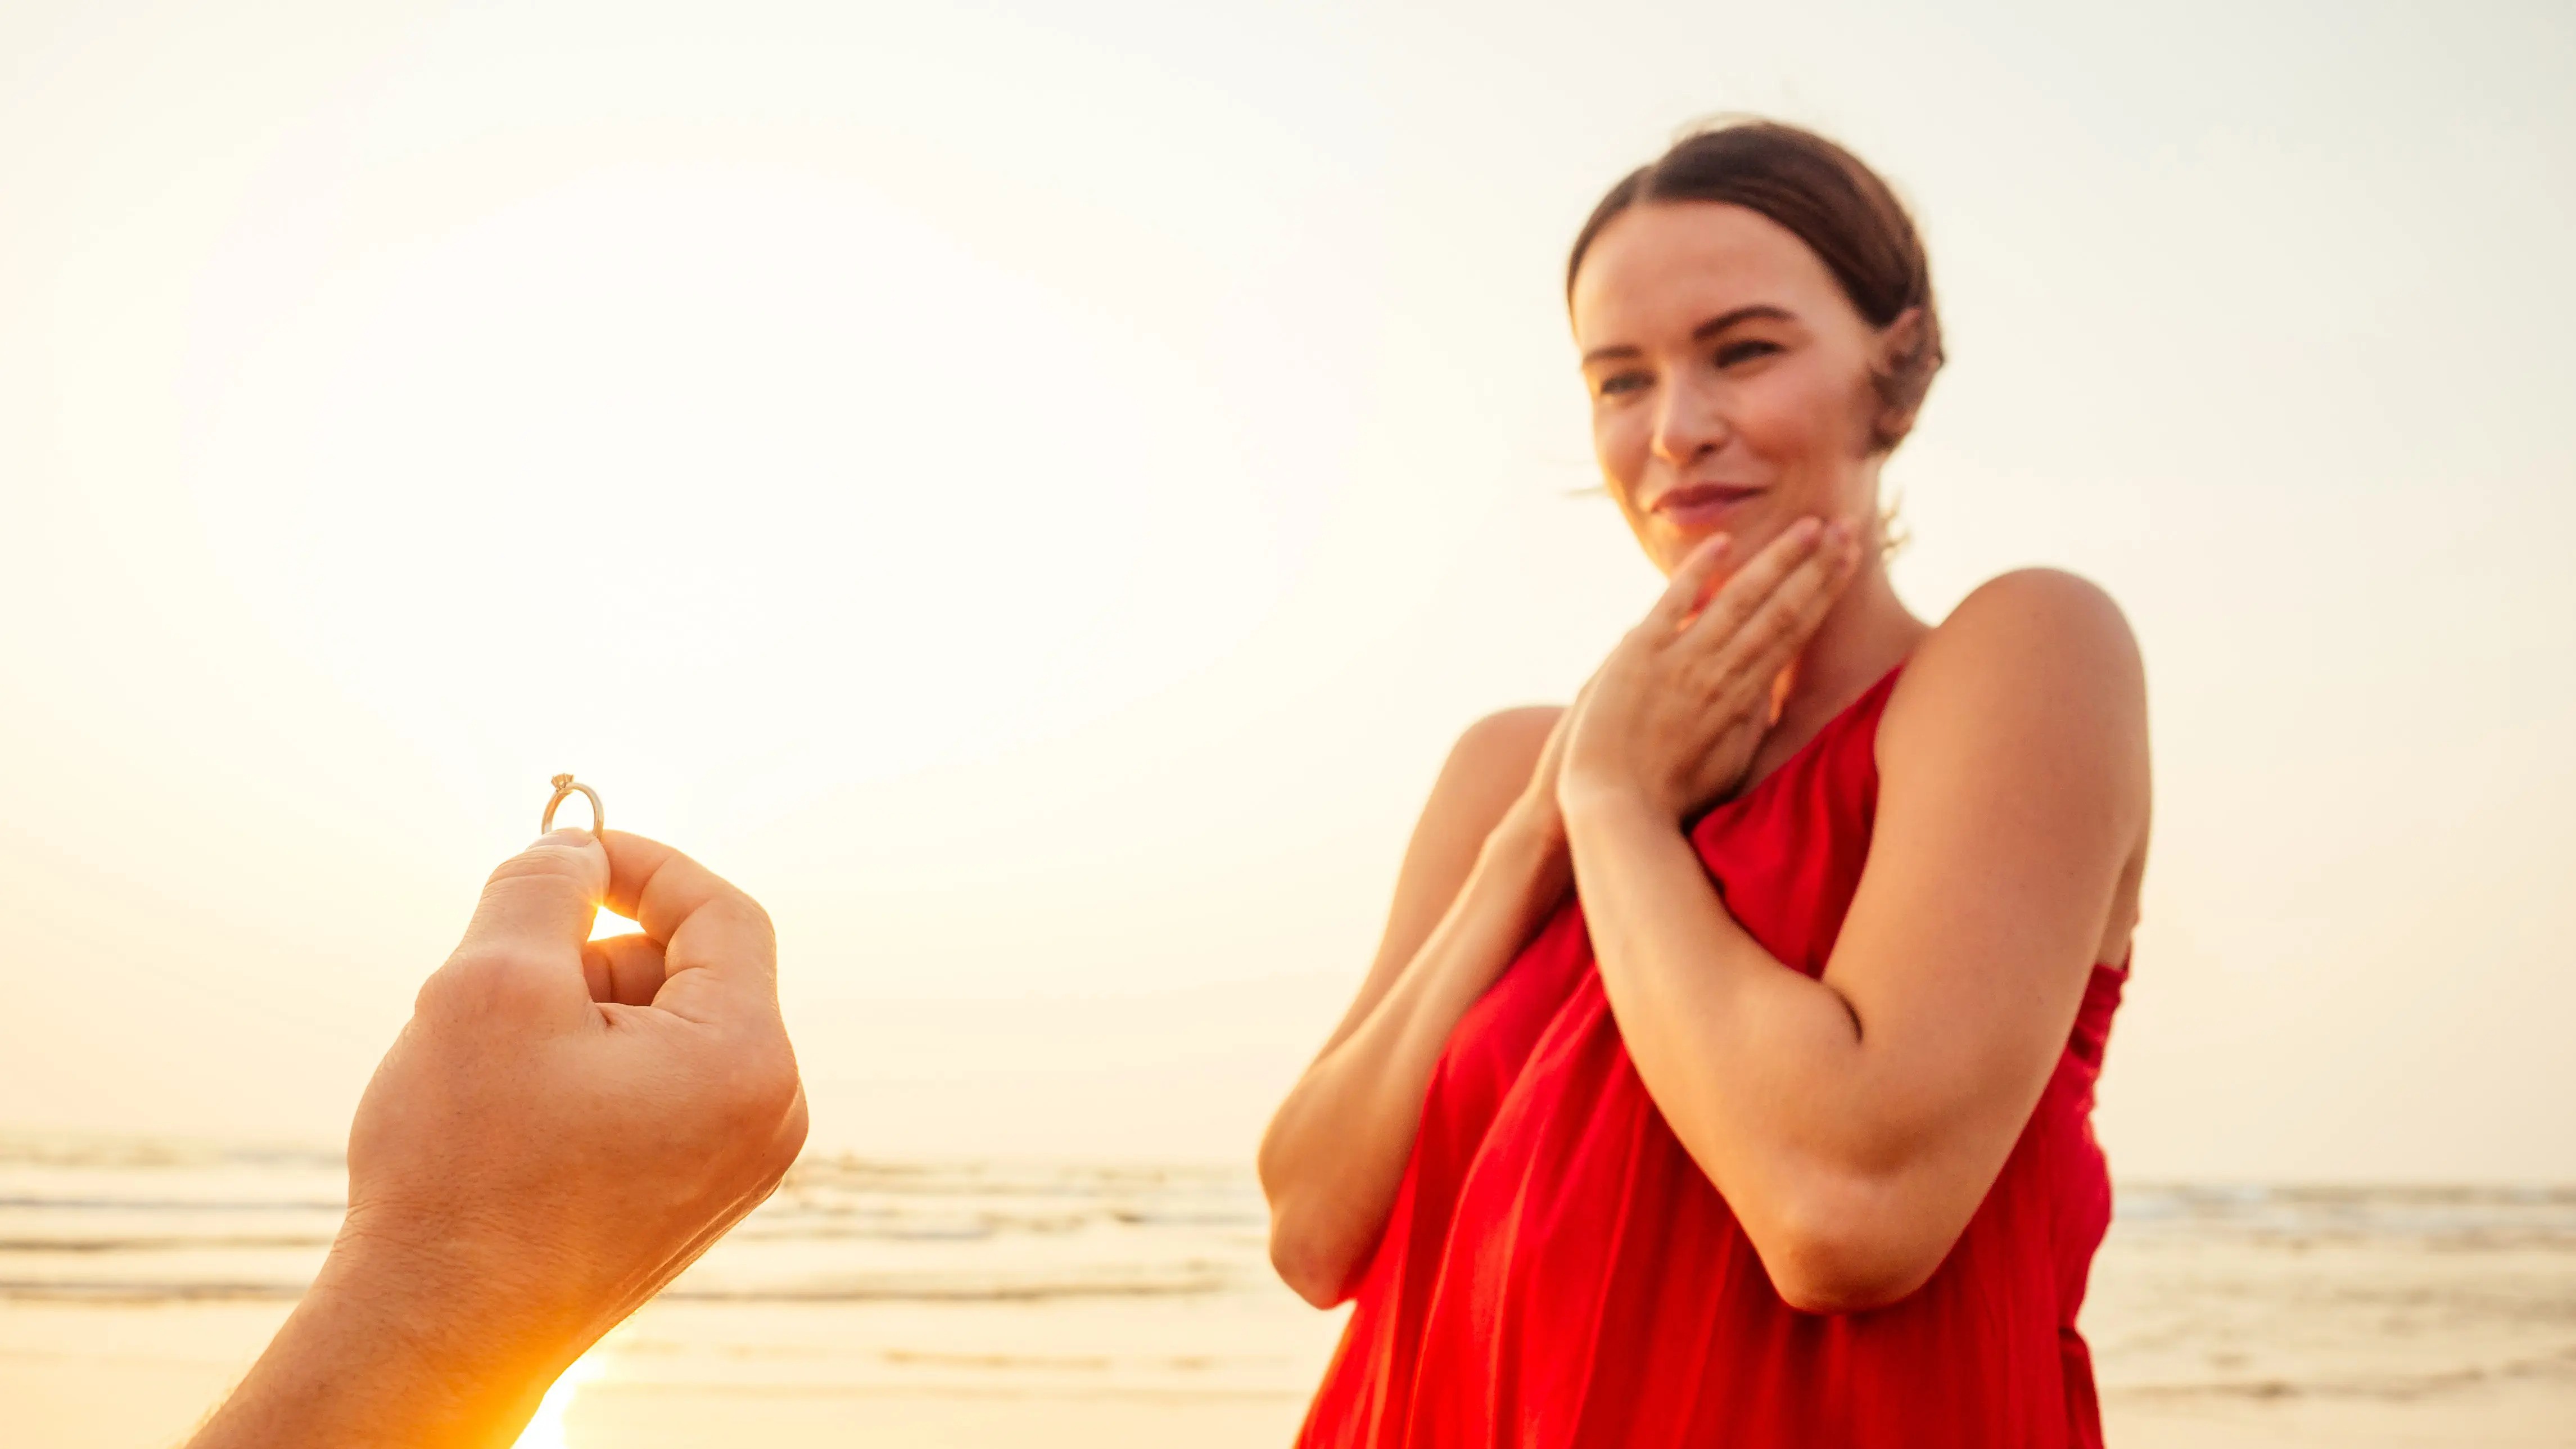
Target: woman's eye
(1745, 351)
(1622, 382)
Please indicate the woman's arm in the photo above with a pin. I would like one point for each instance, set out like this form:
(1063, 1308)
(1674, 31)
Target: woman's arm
(1855, 1122)
(1486, 863)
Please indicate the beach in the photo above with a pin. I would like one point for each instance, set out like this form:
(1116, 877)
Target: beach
(921, 1303)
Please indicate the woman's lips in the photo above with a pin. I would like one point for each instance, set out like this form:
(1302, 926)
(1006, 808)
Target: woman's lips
(1701, 505)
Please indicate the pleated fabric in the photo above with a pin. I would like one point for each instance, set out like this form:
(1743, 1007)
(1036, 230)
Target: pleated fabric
(1557, 1273)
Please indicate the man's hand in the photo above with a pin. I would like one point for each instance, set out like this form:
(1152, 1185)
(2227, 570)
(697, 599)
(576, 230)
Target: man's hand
(559, 1130)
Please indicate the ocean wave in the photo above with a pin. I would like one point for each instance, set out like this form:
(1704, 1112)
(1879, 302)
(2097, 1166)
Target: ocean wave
(882, 1288)
(71, 1150)
(2436, 1215)
(53, 1202)
(111, 1291)
(165, 1243)
(902, 1288)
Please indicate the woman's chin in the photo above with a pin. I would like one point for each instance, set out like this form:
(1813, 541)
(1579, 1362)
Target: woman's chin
(1671, 546)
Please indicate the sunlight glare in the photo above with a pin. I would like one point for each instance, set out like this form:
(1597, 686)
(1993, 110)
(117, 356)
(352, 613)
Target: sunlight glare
(608, 923)
(546, 1430)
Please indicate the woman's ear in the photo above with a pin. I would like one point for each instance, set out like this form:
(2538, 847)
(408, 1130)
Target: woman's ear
(1897, 354)
(1900, 340)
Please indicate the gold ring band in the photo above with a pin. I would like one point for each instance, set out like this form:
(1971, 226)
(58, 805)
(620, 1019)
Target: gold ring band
(565, 788)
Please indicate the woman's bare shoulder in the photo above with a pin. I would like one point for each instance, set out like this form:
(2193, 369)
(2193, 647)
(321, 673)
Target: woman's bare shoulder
(1487, 770)
(2038, 632)
(1489, 766)
(1508, 737)
(2036, 675)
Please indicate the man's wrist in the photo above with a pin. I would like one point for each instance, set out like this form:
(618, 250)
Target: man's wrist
(379, 1352)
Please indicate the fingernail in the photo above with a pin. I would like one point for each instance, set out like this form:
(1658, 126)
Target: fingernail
(1806, 528)
(561, 835)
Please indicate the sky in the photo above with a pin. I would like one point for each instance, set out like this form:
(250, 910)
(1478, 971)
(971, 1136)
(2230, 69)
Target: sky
(1032, 491)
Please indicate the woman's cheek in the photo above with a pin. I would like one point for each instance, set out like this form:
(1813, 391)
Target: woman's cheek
(1804, 431)
(1779, 416)
(1618, 445)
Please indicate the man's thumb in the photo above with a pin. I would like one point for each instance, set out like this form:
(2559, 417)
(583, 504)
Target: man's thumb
(537, 909)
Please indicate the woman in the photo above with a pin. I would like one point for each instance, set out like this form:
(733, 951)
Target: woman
(1777, 1130)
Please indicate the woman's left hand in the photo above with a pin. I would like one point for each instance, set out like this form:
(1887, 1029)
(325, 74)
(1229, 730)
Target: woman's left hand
(1674, 717)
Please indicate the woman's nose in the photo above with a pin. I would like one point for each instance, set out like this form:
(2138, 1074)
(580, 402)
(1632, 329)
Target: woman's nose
(1687, 424)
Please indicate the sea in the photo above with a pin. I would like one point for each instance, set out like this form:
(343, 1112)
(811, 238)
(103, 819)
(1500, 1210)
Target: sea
(1007, 1302)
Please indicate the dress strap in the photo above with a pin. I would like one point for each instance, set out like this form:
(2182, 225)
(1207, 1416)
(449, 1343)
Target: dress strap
(2093, 1019)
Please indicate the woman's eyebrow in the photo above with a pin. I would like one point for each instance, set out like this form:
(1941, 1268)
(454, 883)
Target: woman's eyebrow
(1704, 331)
(1724, 320)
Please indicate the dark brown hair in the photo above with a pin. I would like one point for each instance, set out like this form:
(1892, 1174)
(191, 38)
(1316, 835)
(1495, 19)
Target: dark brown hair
(1828, 199)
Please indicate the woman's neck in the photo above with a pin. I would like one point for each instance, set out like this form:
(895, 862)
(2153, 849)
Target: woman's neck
(1867, 632)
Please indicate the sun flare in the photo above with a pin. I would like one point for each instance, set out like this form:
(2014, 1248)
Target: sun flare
(547, 1430)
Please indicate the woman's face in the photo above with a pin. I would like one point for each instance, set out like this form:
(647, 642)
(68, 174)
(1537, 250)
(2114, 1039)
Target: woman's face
(1729, 376)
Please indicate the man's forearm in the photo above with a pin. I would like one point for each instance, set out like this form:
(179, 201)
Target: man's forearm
(372, 1357)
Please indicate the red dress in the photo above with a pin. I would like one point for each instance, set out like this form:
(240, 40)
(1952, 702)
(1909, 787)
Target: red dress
(1556, 1272)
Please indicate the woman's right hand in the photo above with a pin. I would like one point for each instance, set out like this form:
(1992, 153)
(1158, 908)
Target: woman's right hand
(1677, 713)
(1488, 864)
(1535, 811)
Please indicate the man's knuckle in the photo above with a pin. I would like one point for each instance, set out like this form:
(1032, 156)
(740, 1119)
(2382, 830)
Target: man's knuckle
(758, 1087)
(785, 1143)
(543, 866)
(782, 1087)
(485, 981)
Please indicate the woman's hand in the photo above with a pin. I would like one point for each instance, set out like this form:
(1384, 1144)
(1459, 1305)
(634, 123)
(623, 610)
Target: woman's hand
(1534, 815)
(560, 1129)
(1678, 710)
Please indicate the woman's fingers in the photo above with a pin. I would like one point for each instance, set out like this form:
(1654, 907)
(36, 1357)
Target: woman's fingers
(1754, 653)
(1690, 584)
(1743, 595)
